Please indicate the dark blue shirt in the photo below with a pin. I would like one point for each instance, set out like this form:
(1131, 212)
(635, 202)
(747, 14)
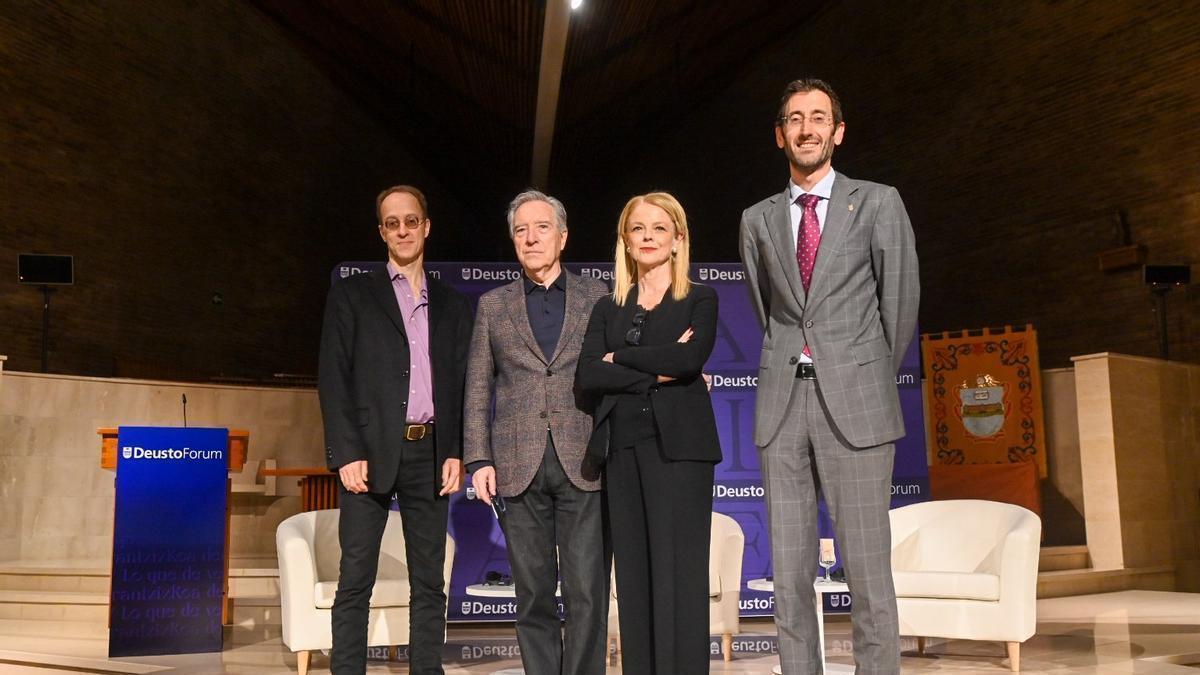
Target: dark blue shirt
(546, 307)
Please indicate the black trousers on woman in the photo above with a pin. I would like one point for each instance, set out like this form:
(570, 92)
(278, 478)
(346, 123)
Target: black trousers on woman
(660, 512)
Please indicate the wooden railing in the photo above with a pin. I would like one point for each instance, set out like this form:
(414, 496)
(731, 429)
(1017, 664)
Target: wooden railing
(318, 486)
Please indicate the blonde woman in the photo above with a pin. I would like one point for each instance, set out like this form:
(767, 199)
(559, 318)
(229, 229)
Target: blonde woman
(654, 427)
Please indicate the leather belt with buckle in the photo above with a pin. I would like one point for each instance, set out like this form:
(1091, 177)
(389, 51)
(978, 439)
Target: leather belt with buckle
(416, 432)
(806, 371)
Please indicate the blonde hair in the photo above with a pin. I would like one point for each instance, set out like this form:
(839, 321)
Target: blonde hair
(625, 268)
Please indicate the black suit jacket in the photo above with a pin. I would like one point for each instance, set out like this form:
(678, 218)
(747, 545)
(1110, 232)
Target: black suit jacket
(363, 373)
(682, 408)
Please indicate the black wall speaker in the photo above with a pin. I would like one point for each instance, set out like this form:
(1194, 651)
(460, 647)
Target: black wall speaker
(45, 270)
(1173, 275)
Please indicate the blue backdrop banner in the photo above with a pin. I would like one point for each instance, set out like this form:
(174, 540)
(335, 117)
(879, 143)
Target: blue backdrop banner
(168, 541)
(737, 490)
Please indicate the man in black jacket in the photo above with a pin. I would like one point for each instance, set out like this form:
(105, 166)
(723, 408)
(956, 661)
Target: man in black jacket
(393, 356)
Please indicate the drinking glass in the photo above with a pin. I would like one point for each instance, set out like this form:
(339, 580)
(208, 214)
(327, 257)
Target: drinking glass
(827, 558)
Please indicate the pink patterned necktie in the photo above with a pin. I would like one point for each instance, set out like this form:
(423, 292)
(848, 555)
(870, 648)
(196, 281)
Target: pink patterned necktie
(807, 240)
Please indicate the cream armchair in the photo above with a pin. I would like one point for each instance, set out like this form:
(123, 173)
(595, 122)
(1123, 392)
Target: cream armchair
(967, 569)
(309, 556)
(725, 550)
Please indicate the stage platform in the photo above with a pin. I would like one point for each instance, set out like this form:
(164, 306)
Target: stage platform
(1122, 632)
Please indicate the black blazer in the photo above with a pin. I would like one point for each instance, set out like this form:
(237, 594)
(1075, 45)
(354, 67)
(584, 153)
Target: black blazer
(363, 372)
(682, 409)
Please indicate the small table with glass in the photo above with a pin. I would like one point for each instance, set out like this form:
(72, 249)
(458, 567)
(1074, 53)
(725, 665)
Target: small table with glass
(821, 586)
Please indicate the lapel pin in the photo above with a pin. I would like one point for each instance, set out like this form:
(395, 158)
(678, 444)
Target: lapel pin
(851, 207)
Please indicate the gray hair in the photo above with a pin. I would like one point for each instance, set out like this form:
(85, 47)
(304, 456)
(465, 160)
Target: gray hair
(531, 195)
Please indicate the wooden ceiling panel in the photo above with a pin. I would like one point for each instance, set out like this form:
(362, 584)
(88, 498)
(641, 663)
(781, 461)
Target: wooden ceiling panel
(509, 29)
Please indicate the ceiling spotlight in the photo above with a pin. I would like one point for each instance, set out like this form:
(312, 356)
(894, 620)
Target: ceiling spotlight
(576, 4)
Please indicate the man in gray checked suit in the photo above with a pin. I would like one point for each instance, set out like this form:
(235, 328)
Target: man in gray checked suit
(530, 457)
(832, 271)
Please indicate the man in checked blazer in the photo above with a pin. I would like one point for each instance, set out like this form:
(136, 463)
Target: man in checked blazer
(832, 271)
(530, 457)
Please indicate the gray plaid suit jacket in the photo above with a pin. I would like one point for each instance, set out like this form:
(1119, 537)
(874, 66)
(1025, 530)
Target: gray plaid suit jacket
(857, 318)
(531, 394)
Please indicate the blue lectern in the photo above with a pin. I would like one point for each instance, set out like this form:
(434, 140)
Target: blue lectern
(169, 539)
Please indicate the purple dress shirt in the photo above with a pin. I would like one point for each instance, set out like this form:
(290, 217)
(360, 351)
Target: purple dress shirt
(416, 324)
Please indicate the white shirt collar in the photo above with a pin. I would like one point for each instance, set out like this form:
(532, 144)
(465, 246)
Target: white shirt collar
(823, 188)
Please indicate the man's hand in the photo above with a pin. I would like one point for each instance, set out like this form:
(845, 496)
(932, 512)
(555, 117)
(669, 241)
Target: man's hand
(451, 477)
(484, 481)
(608, 358)
(707, 380)
(687, 335)
(354, 476)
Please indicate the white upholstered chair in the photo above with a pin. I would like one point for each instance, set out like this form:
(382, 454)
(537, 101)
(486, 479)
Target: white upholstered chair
(725, 550)
(309, 556)
(967, 569)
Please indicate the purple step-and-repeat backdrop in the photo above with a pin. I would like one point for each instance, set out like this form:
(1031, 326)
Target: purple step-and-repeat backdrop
(737, 491)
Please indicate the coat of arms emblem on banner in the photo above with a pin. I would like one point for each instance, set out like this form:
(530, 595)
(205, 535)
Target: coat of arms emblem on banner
(983, 407)
(984, 392)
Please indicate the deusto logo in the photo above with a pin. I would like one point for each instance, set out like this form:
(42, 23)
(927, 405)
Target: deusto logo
(597, 273)
(727, 381)
(714, 274)
(348, 270)
(721, 491)
(476, 607)
(840, 600)
(478, 274)
(756, 604)
(134, 452)
(475, 652)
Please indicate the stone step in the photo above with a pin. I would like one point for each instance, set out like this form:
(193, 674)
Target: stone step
(1061, 583)
(85, 615)
(247, 577)
(75, 630)
(54, 606)
(1055, 558)
(256, 612)
(75, 578)
(70, 600)
(245, 582)
(37, 663)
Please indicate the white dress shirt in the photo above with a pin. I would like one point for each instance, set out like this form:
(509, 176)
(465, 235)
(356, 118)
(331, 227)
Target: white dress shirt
(823, 189)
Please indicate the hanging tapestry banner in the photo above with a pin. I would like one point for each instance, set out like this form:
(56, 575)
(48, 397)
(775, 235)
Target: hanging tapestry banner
(984, 392)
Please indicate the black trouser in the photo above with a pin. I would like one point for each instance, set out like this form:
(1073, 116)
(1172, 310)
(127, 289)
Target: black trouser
(660, 512)
(360, 530)
(553, 510)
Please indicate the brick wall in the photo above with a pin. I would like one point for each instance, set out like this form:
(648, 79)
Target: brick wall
(179, 150)
(1014, 130)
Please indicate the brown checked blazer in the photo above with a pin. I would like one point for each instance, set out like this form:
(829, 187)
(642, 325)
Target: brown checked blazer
(531, 393)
